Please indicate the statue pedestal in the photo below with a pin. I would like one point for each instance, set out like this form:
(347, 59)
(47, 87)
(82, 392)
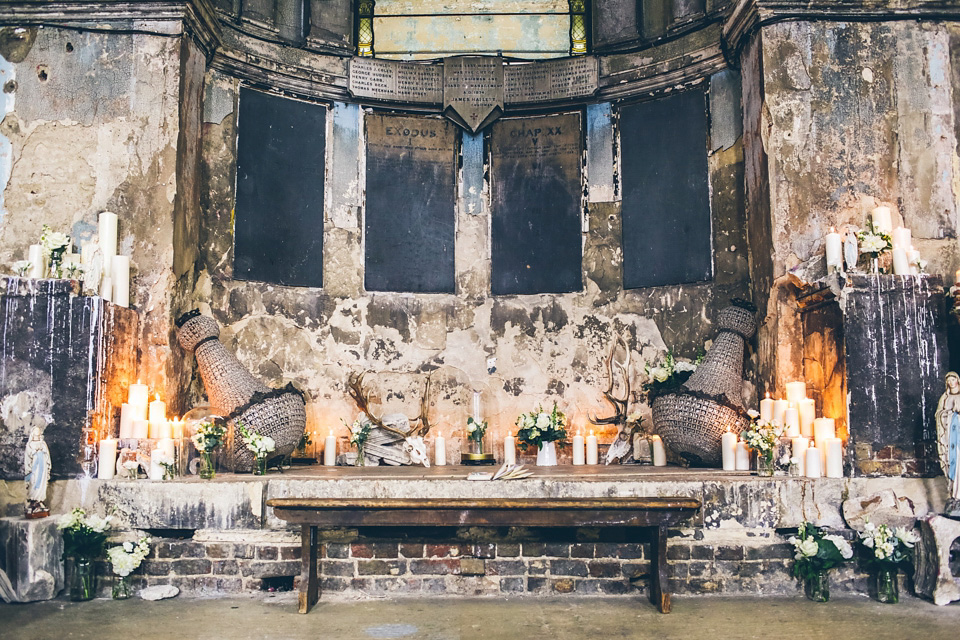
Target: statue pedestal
(30, 553)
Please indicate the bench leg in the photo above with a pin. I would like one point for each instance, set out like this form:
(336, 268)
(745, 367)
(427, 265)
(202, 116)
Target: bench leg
(309, 581)
(660, 587)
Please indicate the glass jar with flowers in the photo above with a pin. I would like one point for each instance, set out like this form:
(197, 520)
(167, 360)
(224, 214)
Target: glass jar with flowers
(886, 549)
(55, 245)
(359, 431)
(209, 436)
(762, 437)
(873, 244)
(84, 539)
(259, 445)
(125, 559)
(816, 552)
(542, 429)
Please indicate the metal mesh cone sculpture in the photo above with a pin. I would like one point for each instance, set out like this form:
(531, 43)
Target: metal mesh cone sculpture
(693, 419)
(236, 395)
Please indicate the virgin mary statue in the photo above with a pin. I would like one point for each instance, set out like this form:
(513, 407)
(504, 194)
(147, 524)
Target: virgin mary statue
(948, 437)
(36, 468)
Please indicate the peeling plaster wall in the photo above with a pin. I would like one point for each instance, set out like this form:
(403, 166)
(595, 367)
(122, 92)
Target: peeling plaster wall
(519, 350)
(94, 122)
(850, 115)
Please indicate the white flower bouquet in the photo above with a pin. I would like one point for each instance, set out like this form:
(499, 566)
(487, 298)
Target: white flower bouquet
(359, 431)
(541, 426)
(126, 558)
(817, 551)
(887, 546)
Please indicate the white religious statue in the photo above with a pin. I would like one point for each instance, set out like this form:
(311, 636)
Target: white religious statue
(36, 468)
(948, 438)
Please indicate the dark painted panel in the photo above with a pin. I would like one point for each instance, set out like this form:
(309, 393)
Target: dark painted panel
(614, 21)
(411, 208)
(278, 235)
(536, 195)
(666, 200)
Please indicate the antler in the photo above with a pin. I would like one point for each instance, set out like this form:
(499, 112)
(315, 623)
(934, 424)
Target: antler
(359, 395)
(619, 404)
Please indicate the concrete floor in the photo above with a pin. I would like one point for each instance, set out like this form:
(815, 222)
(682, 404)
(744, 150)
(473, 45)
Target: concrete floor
(275, 617)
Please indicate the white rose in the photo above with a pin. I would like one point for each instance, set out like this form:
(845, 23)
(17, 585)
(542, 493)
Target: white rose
(808, 548)
(471, 427)
(543, 422)
(128, 547)
(660, 374)
(684, 366)
(907, 537)
(842, 546)
(753, 413)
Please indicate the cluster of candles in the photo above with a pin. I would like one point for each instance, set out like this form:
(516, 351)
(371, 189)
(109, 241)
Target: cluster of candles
(141, 419)
(906, 259)
(814, 444)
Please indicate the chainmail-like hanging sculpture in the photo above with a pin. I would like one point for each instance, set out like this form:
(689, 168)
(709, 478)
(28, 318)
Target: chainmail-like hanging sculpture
(237, 395)
(693, 419)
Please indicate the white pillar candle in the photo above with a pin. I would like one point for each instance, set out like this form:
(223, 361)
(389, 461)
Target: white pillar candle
(834, 455)
(742, 462)
(120, 275)
(811, 463)
(330, 450)
(38, 262)
(161, 429)
(808, 411)
(882, 220)
(158, 410)
(439, 450)
(798, 450)
(659, 452)
(141, 429)
(791, 420)
(796, 391)
(728, 447)
(107, 459)
(106, 289)
(766, 409)
(593, 456)
(901, 238)
(779, 408)
(139, 396)
(509, 450)
(108, 240)
(578, 449)
(824, 428)
(126, 421)
(178, 426)
(901, 266)
(834, 249)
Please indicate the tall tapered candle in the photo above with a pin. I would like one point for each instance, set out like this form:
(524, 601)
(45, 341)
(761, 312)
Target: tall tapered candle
(780, 407)
(107, 459)
(728, 447)
(593, 456)
(742, 456)
(578, 449)
(330, 450)
(766, 409)
(439, 450)
(509, 450)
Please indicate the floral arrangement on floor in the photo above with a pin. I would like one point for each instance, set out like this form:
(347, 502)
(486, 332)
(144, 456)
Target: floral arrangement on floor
(208, 437)
(125, 558)
(816, 552)
(873, 242)
(84, 536)
(888, 547)
(762, 436)
(259, 445)
(540, 426)
(476, 430)
(668, 374)
(359, 432)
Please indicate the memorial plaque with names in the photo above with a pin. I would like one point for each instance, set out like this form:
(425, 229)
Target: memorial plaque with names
(395, 81)
(473, 90)
(411, 208)
(536, 190)
(551, 80)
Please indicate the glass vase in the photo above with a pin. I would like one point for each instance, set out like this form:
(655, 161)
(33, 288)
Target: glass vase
(547, 454)
(476, 446)
(765, 466)
(817, 588)
(122, 588)
(888, 588)
(82, 580)
(260, 466)
(208, 466)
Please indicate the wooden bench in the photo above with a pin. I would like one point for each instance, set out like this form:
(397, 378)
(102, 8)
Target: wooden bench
(656, 514)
